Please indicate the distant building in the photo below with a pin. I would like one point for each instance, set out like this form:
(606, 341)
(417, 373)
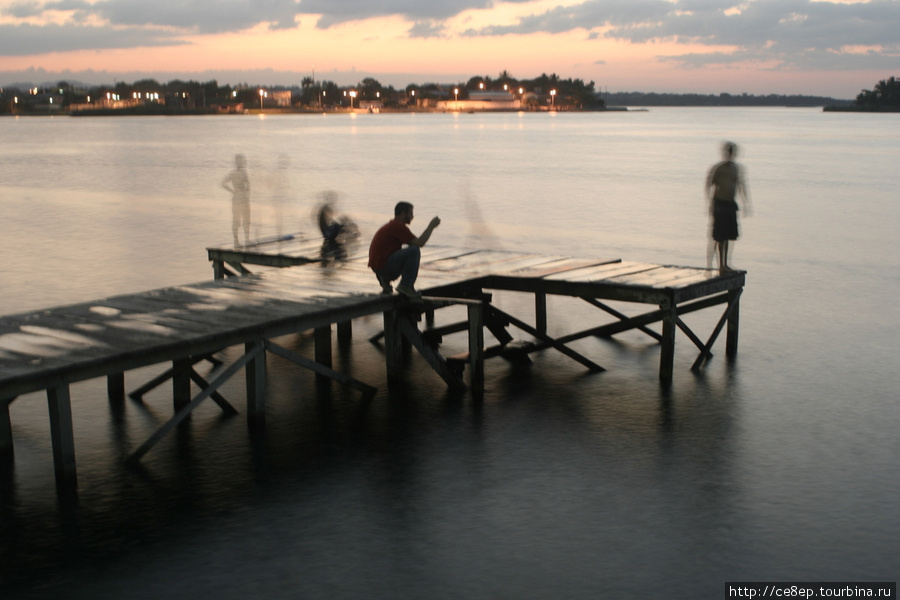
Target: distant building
(282, 98)
(483, 100)
(371, 105)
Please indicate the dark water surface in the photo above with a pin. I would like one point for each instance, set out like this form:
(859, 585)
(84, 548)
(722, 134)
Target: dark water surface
(780, 466)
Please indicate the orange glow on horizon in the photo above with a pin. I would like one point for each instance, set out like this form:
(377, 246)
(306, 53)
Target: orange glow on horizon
(382, 48)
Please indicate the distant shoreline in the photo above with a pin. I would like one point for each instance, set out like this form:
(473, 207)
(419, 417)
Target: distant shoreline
(889, 109)
(157, 112)
(162, 112)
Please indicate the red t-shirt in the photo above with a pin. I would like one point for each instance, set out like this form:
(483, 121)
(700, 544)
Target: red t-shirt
(388, 240)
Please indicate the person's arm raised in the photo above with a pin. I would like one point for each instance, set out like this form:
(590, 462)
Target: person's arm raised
(423, 239)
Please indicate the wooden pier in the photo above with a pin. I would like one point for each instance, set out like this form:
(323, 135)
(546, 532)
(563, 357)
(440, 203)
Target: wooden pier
(674, 291)
(50, 349)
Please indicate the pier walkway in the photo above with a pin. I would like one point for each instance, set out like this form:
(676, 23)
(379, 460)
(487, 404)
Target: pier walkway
(47, 350)
(455, 272)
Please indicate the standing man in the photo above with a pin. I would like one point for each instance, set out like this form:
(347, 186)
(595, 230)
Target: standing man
(390, 260)
(723, 184)
(238, 184)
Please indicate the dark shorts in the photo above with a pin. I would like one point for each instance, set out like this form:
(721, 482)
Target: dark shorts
(725, 226)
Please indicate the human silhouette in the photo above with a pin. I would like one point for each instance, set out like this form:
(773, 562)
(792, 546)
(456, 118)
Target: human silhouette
(390, 260)
(724, 184)
(238, 183)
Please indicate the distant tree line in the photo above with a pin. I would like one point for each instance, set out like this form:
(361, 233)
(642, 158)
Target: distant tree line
(885, 96)
(177, 96)
(662, 99)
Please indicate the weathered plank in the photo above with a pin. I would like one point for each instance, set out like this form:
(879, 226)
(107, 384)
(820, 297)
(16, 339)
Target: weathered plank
(663, 277)
(557, 268)
(603, 271)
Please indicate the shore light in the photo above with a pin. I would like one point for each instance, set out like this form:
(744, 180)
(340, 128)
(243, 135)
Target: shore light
(456, 97)
(352, 96)
(552, 96)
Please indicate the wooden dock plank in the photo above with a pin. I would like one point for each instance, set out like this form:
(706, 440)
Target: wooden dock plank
(475, 262)
(525, 262)
(557, 268)
(669, 277)
(602, 272)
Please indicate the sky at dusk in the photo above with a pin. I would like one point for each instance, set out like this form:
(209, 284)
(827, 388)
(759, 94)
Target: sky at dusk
(816, 47)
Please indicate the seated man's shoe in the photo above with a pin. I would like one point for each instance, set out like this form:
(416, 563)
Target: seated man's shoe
(409, 293)
(385, 285)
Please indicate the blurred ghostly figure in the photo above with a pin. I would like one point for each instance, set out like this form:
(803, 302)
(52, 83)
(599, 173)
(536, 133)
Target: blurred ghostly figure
(724, 183)
(339, 233)
(281, 191)
(238, 183)
(479, 235)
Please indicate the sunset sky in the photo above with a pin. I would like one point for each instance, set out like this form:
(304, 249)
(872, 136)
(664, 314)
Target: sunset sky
(818, 47)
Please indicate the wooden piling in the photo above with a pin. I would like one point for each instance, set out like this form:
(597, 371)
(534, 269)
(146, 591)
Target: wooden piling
(115, 387)
(62, 435)
(667, 344)
(731, 342)
(6, 440)
(181, 382)
(256, 382)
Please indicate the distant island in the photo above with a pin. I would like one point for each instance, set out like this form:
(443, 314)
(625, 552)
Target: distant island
(478, 94)
(885, 97)
(661, 99)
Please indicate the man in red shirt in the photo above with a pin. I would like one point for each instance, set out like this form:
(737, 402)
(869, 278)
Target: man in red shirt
(390, 260)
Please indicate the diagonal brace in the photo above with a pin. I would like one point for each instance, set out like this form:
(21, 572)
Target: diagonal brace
(621, 316)
(705, 354)
(226, 407)
(431, 356)
(183, 413)
(546, 339)
(321, 369)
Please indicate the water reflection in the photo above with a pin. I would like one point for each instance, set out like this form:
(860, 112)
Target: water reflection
(554, 473)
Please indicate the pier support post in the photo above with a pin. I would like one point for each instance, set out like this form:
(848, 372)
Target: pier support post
(731, 336)
(218, 269)
(323, 345)
(256, 383)
(345, 332)
(540, 312)
(62, 436)
(6, 441)
(324, 351)
(667, 350)
(393, 344)
(476, 347)
(181, 382)
(115, 387)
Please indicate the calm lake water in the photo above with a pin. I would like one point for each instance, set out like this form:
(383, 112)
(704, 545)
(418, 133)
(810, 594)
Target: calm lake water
(780, 466)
